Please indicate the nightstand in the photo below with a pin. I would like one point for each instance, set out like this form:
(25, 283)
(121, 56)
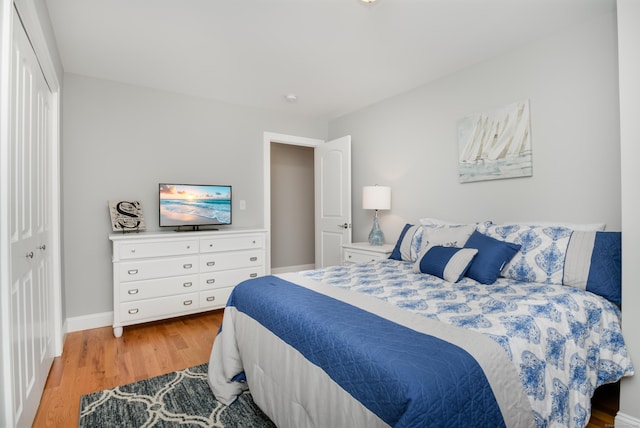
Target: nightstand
(363, 252)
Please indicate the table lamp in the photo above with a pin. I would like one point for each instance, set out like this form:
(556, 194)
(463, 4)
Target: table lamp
(376, 198)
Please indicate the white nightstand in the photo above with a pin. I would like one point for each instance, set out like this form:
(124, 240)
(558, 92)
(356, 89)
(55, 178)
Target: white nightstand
(363, 252)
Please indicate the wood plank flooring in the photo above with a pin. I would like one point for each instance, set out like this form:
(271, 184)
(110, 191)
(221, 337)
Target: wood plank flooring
(94, 360)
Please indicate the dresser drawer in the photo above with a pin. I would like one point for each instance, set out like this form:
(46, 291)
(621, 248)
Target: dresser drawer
(152, 288)
(229, 278)
(235, 260)
(216, 298)
(361, 257)
(231, 243)
(140, 250)
(152, 308)
(158, 268)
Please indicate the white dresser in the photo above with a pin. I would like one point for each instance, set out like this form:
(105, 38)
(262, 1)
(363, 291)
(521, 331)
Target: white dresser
(167, 274)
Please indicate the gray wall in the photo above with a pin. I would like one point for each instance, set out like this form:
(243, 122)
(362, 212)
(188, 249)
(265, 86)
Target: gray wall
(120, 141)
(409, 142)
(292, 206)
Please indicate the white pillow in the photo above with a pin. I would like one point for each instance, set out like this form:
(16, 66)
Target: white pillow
(453, 235)
(428, 221)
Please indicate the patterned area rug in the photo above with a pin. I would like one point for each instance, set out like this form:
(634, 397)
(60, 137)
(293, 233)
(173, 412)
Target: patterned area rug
(178, 399)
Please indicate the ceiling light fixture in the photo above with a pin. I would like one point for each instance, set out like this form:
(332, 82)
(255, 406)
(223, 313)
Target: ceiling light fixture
(368, 1)
(292, 98)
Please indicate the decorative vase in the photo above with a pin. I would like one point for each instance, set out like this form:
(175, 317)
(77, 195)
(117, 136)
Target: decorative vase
(375, 236)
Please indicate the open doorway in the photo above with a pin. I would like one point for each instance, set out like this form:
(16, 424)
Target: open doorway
(292, 208)
(288, 201)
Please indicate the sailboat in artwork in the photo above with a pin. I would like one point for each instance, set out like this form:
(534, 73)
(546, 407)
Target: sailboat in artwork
(503, 135)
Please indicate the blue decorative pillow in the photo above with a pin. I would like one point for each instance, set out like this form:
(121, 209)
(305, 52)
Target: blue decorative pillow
(492, 256)
(542, 252)
(448, 263)
(408, 244)
(594, 263)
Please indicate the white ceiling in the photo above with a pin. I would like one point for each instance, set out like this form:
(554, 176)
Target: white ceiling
(336, 55)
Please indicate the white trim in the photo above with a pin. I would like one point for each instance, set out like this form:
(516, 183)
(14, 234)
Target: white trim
(625, 421)
(6, 369)
(296, 268)
(268, 138)
(87, 322)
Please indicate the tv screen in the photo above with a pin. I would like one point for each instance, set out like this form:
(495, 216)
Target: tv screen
(194, 205)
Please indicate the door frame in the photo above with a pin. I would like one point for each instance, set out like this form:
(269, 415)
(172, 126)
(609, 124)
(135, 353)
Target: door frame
(268, 138)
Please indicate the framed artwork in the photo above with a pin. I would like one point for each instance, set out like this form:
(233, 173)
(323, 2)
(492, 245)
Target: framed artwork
(495, 144)
(126, 216)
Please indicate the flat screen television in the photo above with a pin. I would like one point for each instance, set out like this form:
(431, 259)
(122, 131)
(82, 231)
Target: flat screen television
(194, 205)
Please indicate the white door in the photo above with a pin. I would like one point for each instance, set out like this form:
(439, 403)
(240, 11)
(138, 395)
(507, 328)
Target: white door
(30, 229)
(332, 164)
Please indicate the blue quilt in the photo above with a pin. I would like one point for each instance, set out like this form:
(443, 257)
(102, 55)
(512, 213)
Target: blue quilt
(407, 378)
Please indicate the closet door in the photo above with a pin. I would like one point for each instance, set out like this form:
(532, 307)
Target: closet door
(31, 295)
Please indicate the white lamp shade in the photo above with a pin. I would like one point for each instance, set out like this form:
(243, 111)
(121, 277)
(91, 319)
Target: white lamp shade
(376, 197)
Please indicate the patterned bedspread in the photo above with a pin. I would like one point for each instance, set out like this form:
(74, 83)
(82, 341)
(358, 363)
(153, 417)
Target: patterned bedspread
(564, 342)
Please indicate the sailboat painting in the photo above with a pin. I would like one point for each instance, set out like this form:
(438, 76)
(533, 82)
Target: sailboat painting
(495, 144)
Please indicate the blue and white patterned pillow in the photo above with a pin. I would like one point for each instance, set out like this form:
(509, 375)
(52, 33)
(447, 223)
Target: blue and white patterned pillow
(409, 244)
(542, 253)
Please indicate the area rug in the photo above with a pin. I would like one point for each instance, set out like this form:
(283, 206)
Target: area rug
(177, 399)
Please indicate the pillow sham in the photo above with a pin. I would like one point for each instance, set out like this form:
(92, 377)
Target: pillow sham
(583, 227)
(542, 253)
(448, 263)
(492, 256)
(408, 245)
(447, 235)
(594, 263)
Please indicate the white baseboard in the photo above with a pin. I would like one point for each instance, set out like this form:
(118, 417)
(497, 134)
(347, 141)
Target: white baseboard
(626, 421)
(296, 268)
(87, 322)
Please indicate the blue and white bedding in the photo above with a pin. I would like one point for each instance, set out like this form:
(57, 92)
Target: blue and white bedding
(564, 342)
(506, 354)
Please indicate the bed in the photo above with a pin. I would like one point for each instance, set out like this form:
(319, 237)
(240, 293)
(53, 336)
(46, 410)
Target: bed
(466, 325)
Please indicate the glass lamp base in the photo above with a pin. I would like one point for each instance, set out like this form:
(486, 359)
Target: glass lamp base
(375, 236)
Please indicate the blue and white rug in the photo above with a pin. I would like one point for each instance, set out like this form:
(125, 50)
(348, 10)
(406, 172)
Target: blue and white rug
(177, 399)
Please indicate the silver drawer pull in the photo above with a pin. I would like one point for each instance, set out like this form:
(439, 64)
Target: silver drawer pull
(210, 245)
(253, 259)
(187, 302)
(211, 263)
(187, 284)
(133, 311)
(132, 271)
(134, 291)
(253, 275)
(211, 298)
(133, 250)
(187, 265)
(211, 281)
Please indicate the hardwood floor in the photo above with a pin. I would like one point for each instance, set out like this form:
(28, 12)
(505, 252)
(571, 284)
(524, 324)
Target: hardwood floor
(94, 360)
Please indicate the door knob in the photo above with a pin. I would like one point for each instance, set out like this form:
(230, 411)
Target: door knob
(344, 226)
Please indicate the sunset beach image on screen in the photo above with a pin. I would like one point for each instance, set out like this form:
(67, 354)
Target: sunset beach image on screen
(194, 204)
